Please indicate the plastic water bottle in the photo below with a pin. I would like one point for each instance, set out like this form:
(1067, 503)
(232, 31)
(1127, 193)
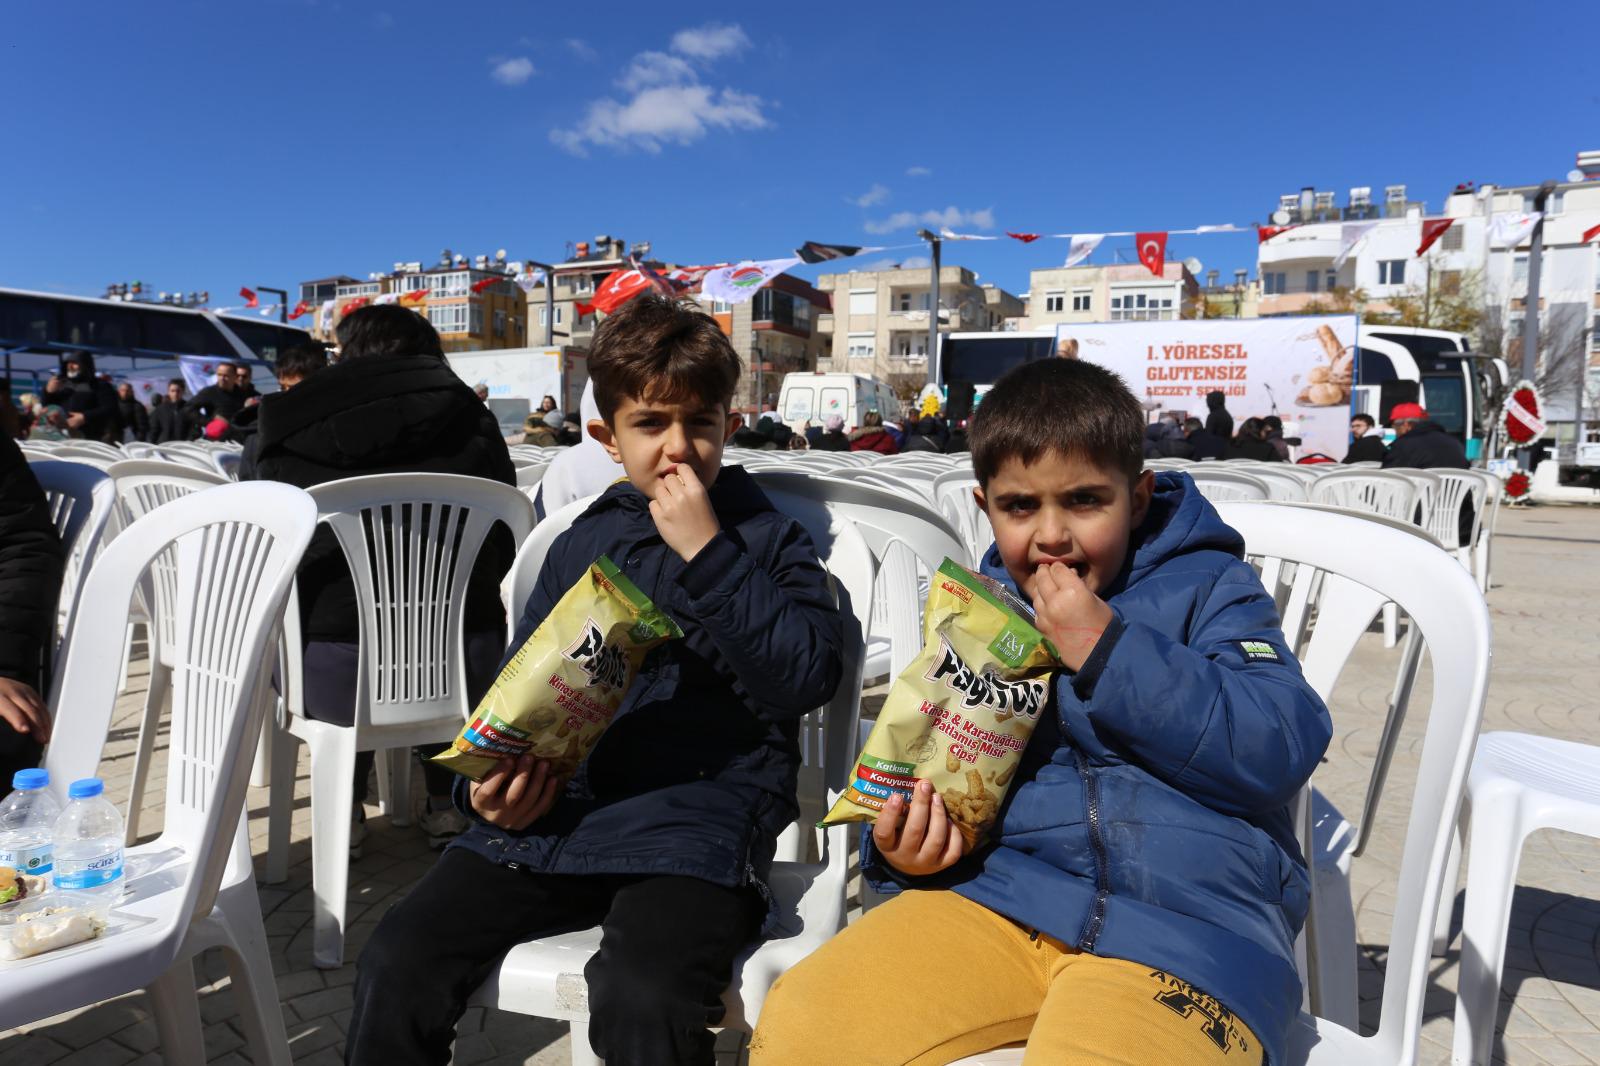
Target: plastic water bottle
(27, 824)
(88, 840)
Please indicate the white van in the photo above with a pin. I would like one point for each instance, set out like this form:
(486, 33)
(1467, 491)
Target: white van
(816, 397)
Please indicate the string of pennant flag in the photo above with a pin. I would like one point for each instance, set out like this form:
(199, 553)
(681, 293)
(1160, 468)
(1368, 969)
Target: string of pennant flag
(738, 282)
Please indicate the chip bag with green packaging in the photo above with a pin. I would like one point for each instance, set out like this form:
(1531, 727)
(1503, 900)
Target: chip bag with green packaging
(558, 693)
(962, 712)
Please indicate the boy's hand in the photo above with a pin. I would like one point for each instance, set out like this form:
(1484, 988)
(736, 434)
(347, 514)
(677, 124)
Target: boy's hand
(23, 710)
(683, 514)
(926, 842)
(516, 793)
(1068, 613)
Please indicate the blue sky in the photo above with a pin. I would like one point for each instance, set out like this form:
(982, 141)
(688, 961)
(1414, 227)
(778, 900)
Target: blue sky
(208, 145)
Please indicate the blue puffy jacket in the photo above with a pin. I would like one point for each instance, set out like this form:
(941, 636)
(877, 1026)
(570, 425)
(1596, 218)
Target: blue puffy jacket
(696, 774)
(1150, 820)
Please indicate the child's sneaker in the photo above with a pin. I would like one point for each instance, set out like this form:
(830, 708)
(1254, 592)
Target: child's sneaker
(442, 824)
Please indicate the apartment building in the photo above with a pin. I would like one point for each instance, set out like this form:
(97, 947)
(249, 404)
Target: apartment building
(775, 333)
(494, 316)
(1117, 292)
(575, 279)
(879, 322)
(1240, 298)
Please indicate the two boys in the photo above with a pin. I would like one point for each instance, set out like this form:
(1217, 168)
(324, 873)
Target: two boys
(1143, 889)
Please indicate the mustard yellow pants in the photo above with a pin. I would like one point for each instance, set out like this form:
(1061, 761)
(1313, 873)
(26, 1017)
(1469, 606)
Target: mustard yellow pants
(930, 977)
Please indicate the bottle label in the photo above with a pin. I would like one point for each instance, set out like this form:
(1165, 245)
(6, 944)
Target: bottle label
(34, 861)
(92, 873)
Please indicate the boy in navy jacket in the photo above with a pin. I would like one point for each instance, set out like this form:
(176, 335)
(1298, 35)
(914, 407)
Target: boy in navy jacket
(1141, 894)
(666, 834)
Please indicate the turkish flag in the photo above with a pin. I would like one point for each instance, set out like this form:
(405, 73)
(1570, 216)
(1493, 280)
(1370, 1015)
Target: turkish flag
(300, 308)
(249, 297)
(1432, 230)
(1590, 234)
(1152, 251)
(1266, 233)
(415, 296)
(620, 286)
(483, 283)
(1025, 238)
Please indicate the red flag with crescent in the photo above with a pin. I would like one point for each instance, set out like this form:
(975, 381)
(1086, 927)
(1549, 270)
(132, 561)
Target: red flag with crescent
(249, 296)
(1153, 251)
(620, 286)
(1432, 230)
(1590, 234)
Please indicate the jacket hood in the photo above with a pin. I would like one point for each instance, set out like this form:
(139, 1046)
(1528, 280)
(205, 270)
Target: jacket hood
(1426, 425)
(85, 363)
(1216, 401)
(368, 410)
(734, 495)
(1180, 521)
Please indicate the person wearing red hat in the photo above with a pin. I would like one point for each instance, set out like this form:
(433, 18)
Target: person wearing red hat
(1422, 443)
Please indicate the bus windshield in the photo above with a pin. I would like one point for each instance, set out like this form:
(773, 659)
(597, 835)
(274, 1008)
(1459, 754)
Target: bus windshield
(1444, 398)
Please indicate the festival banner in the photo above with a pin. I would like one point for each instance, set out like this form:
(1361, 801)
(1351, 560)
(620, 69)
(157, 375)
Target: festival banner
(1300, 368)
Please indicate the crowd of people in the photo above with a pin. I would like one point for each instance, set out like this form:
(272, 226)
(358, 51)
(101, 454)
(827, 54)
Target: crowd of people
(922, 429)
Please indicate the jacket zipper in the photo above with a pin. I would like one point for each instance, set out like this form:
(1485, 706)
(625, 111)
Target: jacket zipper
(1097, 909)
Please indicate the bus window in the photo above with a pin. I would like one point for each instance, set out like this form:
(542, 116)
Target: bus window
(184, 335)
(1373, 368)
(99, 325)
(798, 404)
(1444, 398)
(27, 321)
(265, 339)
(835, 401)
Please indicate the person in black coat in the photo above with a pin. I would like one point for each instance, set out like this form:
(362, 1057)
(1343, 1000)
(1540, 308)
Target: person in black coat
(1365, 447)
(1421, 443)
(1251, 443)
(222, 400)
(31, 567)
(833, 438)
(1206, 444)
(169, 420)
(390, 405)
(1219, 422)
(131, 415)
(90, 404)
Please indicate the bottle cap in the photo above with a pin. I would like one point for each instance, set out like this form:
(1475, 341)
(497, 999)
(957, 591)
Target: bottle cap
(89, 786)
(30, 779)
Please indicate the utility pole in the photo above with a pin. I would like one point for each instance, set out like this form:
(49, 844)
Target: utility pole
(933, 310)
(549, 300)
(283, 301)
(1530, 314)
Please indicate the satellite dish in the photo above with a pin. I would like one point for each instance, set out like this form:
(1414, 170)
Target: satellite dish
(1193, 266)
(1280, 217)
(1576, 175)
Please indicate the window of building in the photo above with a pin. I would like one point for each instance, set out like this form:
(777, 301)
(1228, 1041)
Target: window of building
(1391, 272)
(454, 284)
(1553, 203)
(863, 301)
(448, 318)
(1055, 302)
(1519, 268)
(1449, 283)
(365, 288)
(411, 282)
(1141, 305)
(1312, 278)
(862, 345)
(1333, 280)
(1274, 283)
(1451, 241)
(1081, 299)
(542, 312)
(499, 323)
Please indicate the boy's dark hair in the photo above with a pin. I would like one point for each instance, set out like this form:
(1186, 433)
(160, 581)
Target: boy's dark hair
(658, 348)
(1193, 425)
(182, 384)
(1272, 424)
(302, 360)
(1064, 405)
(1362, 416)
(387, 330)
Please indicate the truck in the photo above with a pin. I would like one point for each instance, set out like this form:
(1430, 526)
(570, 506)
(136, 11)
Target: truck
(518, 379)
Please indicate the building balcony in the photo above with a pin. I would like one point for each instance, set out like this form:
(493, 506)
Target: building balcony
(825, 324)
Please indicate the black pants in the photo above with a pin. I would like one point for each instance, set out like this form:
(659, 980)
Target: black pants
(667, 947)
(330, 669)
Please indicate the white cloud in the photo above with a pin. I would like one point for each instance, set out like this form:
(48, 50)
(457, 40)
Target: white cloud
(656, 68)
(513, 71)
(666, 114)
(581, 49)
(918, 172)
(711, 41)
(872, 197)
(667, 101)
(952, 217)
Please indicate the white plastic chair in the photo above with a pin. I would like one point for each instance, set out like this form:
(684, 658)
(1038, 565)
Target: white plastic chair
(142, 485)
(1444, 518)
(192, 888)
(1362, 565)
(952, 493)
(1282, 486)
(411, 541)
(1220, 486)
(541, 977)
(1519, 784)
(1493, 491)
(1378, 491)
(81, 498)
(519, 582)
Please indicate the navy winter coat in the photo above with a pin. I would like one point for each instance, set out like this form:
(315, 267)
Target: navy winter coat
(1150, 818)
(696, 774)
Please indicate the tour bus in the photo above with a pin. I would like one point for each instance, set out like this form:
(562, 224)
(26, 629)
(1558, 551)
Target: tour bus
(1432, 367)
(126, 337)
(814, 397)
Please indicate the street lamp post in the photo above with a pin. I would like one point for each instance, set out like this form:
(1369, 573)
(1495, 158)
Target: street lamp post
(933, 310)
(549, 300)
(283, 301)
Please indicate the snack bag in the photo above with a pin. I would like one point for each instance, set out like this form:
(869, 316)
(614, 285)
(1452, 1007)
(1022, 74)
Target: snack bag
(964, 709)
(557, 694)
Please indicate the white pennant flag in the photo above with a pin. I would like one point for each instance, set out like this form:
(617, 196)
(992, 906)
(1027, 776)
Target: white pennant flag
(325, 315)
(736, 284)
(1082, 247)
(529, 281)
(1350, 235)
(387, 298)
(1509, 230)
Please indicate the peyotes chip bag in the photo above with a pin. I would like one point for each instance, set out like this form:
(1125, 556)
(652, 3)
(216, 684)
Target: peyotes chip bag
(557, 694)
(962, 712)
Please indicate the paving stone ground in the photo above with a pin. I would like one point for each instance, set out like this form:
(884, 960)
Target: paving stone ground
(1546, 611)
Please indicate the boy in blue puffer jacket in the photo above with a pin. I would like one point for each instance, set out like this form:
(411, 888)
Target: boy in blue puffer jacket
(665, 836)
(1140, 896)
